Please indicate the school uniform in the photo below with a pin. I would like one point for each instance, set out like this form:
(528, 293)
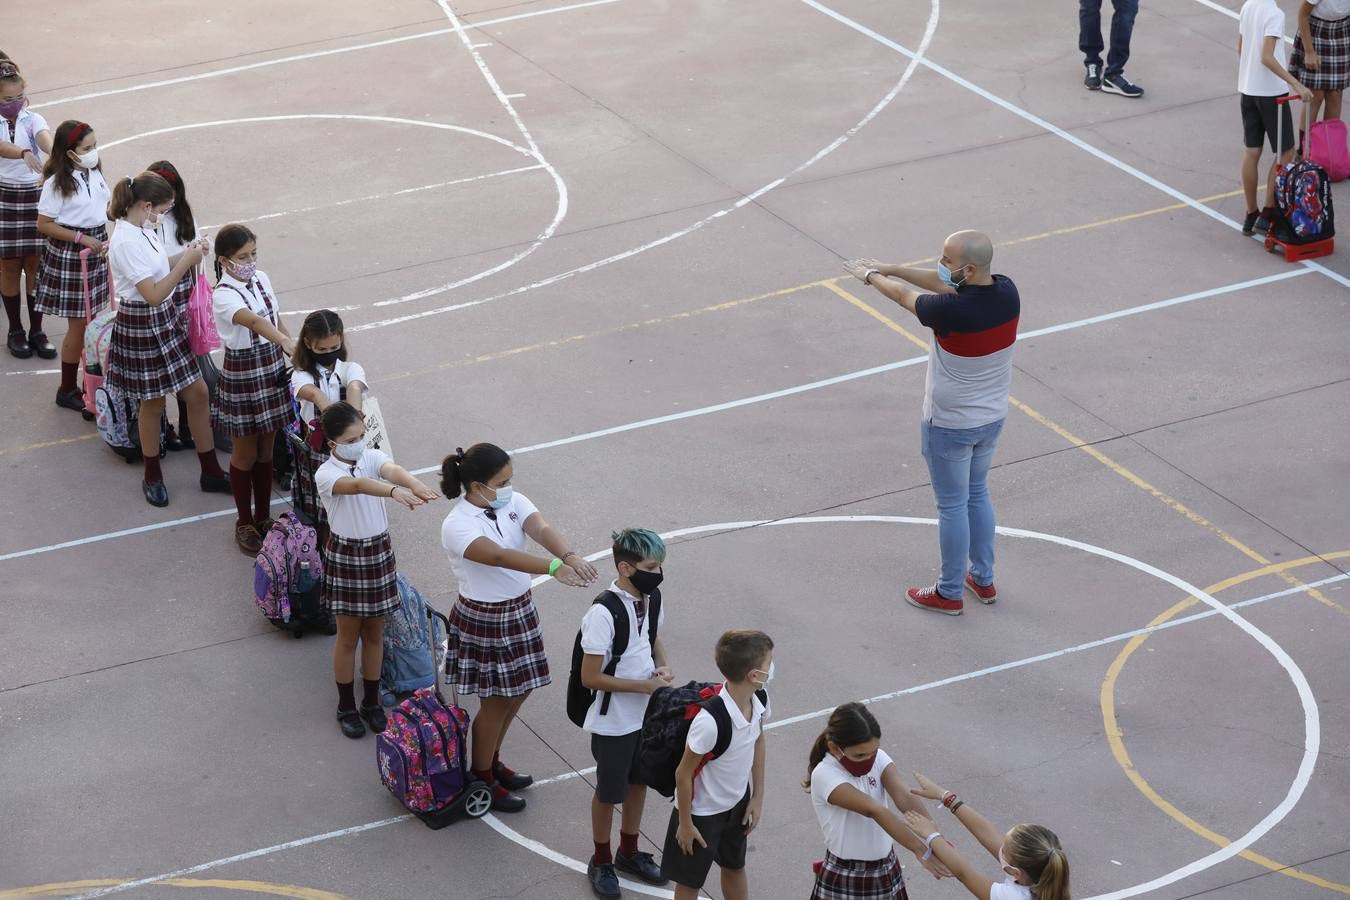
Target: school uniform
(616, 726)
(252, 397)
(360, 573)
(1329, 25)
(60, 287)
(168, 236)
(20, 189)
(148, 354)
(332, 383)
(860, 861)
(721, 794)
(496, 645)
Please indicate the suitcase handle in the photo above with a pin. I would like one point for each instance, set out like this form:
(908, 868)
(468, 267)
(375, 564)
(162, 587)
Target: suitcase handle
(1279, 120)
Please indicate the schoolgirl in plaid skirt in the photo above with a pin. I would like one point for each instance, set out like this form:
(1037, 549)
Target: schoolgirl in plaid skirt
(359, 578)
(496, 647)
(25, 135)
(149, 355)
(1321, 57)
(253, 397)
(72, 216)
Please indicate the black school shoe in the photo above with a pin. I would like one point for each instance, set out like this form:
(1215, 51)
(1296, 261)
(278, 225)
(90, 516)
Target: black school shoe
(1093, 79)
(214, 484)
(18, 345)
(643, 865)
(374, 717)
(505, 801)
(510, 778)
(349, 720)
(156, 493)
(74, 400)
(44, 348)
(1119, 84)
(603, 880)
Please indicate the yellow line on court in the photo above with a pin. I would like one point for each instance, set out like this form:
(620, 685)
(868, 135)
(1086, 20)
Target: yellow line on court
(269, 888)
(42, 444)
(1115, 736)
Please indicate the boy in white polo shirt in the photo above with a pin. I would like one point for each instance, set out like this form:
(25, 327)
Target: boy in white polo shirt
(623, 686)
(718, 802)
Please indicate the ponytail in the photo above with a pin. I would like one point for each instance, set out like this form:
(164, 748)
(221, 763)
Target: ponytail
(480, 463)
(182, 212)
(849, 725)
(1054, 883)
(146, 186)
(1036, 850)
(818, 751)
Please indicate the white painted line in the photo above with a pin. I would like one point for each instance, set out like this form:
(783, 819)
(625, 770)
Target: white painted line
(502, 98)
(513, 96)
(36, 372)
(1055, 130)
(216, 73)
(703, 410)
(481, 45)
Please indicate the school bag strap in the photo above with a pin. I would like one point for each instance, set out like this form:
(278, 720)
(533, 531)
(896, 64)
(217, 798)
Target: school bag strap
(653, 615)
(614, 605)
(717, 708)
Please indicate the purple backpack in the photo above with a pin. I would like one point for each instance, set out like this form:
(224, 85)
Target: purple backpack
(423, 760)
(288, 565)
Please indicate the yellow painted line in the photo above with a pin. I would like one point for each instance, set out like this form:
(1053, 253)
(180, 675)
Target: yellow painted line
(269, 888)
(1115, 736)
(26, 447)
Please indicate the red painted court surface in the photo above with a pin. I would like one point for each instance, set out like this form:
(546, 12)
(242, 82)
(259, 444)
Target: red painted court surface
(609, 235)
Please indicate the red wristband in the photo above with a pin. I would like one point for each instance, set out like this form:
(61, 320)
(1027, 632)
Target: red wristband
(948, 798)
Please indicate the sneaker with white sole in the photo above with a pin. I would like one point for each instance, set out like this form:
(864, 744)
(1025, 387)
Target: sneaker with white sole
(1093, 79)
(931, 600)
(1119, 84)
(984, 593)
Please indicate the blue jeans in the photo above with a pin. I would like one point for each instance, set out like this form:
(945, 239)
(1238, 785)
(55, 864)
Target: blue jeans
(958, 463)
(1090, 33)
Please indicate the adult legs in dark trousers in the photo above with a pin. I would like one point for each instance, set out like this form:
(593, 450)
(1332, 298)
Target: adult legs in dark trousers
(1113, 79)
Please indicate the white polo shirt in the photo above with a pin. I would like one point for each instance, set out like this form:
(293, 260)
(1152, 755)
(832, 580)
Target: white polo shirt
(86, 208)
(135, 254)
(850, 835)
(168, 234)
(353, 515)
(1007, 889)
(232, 295)
(1260, 19)
(330, 383)
(723, 781)
(27, 126)
(466, 524)
(626, 708)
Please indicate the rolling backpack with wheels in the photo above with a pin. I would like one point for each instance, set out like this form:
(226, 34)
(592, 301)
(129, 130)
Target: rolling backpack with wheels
(580, 697)
(118, 421)
(665, 729)
(423, 757)
(287, 574)
(1302, 197)
(414, 645)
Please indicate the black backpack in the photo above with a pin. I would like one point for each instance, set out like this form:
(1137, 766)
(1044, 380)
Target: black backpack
(580, 697)
(665, 729)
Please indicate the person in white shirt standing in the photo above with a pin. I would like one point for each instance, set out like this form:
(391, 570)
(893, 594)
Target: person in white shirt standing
(1321, 57)
(496, 645)
(623, 684)
(1034, 864)
(24, 140)
(1261, 78)
(360, 574)
(851, 780)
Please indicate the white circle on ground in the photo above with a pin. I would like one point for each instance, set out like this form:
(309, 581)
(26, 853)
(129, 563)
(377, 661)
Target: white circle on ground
(559, 186)
(1312, 735)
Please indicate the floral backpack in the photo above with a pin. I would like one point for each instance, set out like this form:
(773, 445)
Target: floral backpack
(422, 753)
(287, 573)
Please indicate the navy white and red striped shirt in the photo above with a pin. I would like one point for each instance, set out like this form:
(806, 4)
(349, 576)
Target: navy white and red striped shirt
(970, 356)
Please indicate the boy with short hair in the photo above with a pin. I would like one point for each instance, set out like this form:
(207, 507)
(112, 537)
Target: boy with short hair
(719, 803)
(1262, 77)
(623, 687)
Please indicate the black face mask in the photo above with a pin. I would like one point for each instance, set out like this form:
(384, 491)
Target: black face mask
(327, 359)
(646, 582)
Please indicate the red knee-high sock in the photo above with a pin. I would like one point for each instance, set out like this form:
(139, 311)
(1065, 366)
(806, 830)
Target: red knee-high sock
(68, 371)
(262, 490)
(603, 856)
(152, 470)
(210, 465)
(628, 843)
(241, 485)
(12, 311)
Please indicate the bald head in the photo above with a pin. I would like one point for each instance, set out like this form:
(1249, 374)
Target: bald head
(970, 248)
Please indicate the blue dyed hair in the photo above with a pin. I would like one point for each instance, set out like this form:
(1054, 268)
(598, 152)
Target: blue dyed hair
(633, 545)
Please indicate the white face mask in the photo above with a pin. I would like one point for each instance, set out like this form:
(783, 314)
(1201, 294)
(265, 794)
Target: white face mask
(88, 160)
(350, 452)
(768, 676)
(1002, 861)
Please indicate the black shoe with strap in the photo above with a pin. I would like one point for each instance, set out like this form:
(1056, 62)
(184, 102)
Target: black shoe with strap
(18, 345)
(505, 801)
(374, 717)
(511, 779)
(349, 720)
(74, 400)
(44, 348)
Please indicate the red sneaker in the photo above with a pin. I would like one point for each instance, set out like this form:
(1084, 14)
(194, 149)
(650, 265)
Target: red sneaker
(930, 599)
(984, 593)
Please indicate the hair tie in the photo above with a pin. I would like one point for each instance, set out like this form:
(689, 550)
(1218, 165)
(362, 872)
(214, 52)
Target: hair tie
(8, 69)
(165, 174)
(459, 454)
(131, 186)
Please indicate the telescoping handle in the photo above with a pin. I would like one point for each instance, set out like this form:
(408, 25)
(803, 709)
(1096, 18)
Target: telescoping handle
(1279, 121)
(84, 279)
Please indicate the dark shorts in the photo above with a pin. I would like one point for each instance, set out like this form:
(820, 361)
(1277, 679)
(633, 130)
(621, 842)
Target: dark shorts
(615, 764)
(1259, 122)
(725, 836)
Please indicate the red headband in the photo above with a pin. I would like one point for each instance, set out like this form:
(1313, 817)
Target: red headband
(166, 175)
(78, 132)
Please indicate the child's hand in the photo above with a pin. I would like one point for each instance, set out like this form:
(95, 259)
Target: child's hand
(582, 568)
(685, 835)
(926, 788)
(920, 824)
(656, 682)
(933, 865)
(425, 493)
(665, 672)
(752, 814)
(406, 497)
(568, 576)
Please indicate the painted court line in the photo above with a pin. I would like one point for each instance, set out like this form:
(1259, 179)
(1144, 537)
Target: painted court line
(706, 410)
(217, 73)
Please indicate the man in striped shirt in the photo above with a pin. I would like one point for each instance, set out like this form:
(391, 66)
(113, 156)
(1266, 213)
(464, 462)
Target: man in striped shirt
(973, 316)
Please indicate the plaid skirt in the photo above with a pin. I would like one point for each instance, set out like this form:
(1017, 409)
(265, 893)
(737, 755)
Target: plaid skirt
(250, 400)
(149, 354)
(18, 222)
(360, 576)
(182, 293)
(1331, 40)
(60, 289)
(304, 492)
(860, 879)
(496, 649)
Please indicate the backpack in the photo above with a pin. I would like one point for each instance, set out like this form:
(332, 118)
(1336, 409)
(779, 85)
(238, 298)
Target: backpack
(118, 419)
(580, 697)
(423, 759)
(287, 574)
(414, 644)
(97, 340)
(1303, 198)
(1327, 146)
(665, 729)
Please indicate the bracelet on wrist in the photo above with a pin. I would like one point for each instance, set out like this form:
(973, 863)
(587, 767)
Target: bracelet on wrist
(867, 276)
(957, 805)
(928, 845)
(948, 799)
(392, 488)
(554, 565)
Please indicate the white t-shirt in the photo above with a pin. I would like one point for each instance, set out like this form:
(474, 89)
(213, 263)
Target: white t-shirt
(466, 524)
(722, 782)
(1260, 19)
(850, 835)
(86, 208)
(330, 383)
(1007, 889)
(168, 234)
(27, 126)
(626, 708)
(353, 515)
(232, 295)
(135, 254)
(1330, 10)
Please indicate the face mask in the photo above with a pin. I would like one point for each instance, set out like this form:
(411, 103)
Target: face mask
(327, 359)
(768, 676)
(153, 219)
(87, 160)
(243, 271)
(1002, 861)
(858, 767)
(11, 108)
(350, 452)
(503, 498)
(645, 581)
(946, 275)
